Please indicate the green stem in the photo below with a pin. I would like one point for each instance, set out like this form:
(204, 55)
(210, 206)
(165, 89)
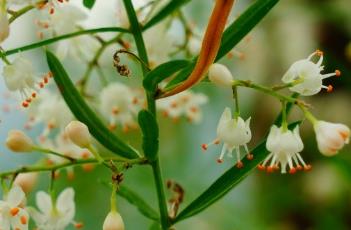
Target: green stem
(165, 223)
(308, 114)
(49, 151)
(63, 37)
(284, 118)
(236, 101)
(113, 197)
(45, 168)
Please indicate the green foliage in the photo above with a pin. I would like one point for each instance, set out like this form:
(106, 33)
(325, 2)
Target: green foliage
(234, 33)
(148, 125)
(137, 201)
(83, 113)
(162, 72)
(89, 3)
(226, 182)
(171, 7)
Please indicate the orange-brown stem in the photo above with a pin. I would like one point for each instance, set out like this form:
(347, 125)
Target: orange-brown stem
(209, 48)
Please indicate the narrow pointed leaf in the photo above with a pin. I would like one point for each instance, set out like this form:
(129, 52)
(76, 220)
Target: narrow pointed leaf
(227, 181)
(83, 112)
(138, 202)
(167, 10)
(149, 128)
(162, 72)
(89, 3)
(234, 33)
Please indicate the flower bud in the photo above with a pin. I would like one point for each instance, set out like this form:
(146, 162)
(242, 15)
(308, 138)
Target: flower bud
(220, 75)
(26, 181)
(331, 137)
(113, 221)
(18, 141)
(78, 133)
(4, 23)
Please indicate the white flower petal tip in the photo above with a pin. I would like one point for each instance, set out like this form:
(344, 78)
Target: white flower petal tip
(220, 75)
(18, 141)
(234, 133)
(113, 221)
(78, 133)
(306, 76)
(331, 137)
(284, 147)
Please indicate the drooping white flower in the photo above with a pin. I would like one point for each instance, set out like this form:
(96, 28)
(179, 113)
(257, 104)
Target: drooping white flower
(4, 22)
(186, 103)
(233, 132)
(20, 76)
(113, 221)
(220, 75)
(67, 19)
(78, 133)
(26, 181)
(284, 147)
(12, 214)
(331, 137)
(54, 215)
(119, 105)
(309, 73)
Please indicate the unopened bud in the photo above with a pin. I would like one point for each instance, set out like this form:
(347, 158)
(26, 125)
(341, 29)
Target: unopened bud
(113, 221)
(26, 181)
(220, 75)
(4, 23)
(18, 141)
(78, 133)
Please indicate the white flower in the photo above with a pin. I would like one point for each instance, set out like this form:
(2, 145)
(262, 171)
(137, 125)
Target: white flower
(12, 214)
(4, 22)
(122, 17)
(118, 104)
(186, 103)
(26, 181)
(233, 132)
(113, 221)
(284, 147)
(309, 74)
(54, 215)
(220, 75)
(18, 141)
(79, 134)
(331, 137)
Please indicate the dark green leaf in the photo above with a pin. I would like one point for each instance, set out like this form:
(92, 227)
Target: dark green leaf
(89, 3)
(226, 182)
(136, 200)
(161, 72)
(148, 125)
(172, 6)
(83, 112)
(234, 33)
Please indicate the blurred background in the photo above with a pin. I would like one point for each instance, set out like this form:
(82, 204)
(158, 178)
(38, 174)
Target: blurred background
(320, 199)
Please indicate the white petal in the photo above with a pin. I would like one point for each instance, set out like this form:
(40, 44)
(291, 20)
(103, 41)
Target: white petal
(15, 196)
(44, 203)
(65, 201)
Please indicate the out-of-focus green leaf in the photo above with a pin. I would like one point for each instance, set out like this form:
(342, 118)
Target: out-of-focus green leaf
(171, 7)
(83, 112)
(155, 226)
(161, 72)
(148, 125)
(89, 3)
(227, 181)
(137, 201)
(233, 34)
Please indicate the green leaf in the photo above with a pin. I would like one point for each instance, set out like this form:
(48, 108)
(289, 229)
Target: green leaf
(227, 181)
(171, 7)
(233, 34)
(137, 201)
(83, 112)
(155, 226)
(162, 72)
(148, 125)
(89, 3)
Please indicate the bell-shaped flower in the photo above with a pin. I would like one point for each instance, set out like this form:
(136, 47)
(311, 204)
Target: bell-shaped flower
(284, 147)
(54, 215)
(18, 141)
(12, 214)
(233, 132)
(331, 137)
(220, 75)
(113, 221)
(307, 76)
